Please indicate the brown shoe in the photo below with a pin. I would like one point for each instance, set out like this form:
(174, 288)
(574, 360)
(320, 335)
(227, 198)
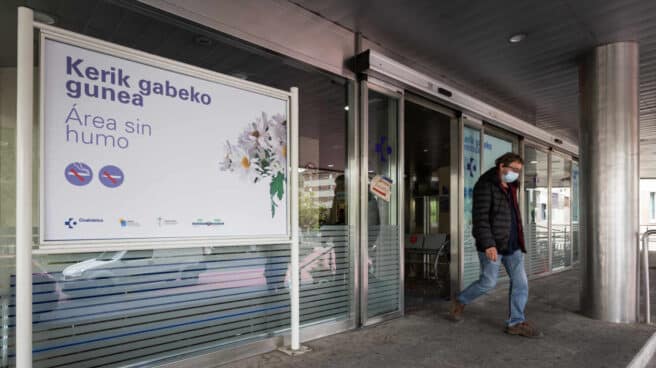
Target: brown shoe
(523, 329)
(457, 310)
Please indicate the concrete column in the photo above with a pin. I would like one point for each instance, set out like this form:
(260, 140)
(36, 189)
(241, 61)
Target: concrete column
(609, 182)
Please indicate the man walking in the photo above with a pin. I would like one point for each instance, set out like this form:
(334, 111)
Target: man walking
(497, 227)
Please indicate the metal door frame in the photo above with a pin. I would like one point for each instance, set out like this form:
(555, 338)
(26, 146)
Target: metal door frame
(575, 160)
(565, 157)
(397, 93)
(484, 129)
(546, 150)
(458, 252)
(455, 183)
(496, 132)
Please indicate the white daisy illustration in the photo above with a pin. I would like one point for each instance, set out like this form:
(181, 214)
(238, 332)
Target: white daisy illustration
(260, 152)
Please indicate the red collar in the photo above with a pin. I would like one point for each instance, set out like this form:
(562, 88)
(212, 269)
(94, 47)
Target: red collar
(511, 186)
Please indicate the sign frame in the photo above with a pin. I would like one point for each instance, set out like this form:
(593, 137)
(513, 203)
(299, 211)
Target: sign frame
(129, 54)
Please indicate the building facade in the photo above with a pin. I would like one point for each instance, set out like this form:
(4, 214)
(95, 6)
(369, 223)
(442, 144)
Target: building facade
(364, 113)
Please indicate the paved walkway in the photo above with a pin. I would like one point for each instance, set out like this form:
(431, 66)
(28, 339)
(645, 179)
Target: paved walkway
(424, 338)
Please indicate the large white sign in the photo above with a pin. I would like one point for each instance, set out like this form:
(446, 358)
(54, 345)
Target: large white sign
(133, 151)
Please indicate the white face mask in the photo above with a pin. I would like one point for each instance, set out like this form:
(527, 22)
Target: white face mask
(510, 176)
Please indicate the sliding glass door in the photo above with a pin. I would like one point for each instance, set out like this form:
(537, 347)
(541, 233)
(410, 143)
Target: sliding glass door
(536, 209)
(381, 192)
(561, 210)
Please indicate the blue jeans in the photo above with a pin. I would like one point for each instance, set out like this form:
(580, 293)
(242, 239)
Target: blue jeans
(518, 294)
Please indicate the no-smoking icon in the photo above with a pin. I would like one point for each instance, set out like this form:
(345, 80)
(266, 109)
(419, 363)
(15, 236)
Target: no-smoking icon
(111, 176)
(78, 173)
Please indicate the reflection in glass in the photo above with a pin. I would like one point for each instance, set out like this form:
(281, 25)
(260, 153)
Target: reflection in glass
(536, 215)
(325, 254)
(383, 293)
(472, 171)
(115, 307)
(494, 148)
(561, 232)
(324, 246)
(125, 308)
(575, 212)
(427, 185)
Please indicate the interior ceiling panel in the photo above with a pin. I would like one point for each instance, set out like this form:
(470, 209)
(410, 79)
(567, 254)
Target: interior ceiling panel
(536, 79)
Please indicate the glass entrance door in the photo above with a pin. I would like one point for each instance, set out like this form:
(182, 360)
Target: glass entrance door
(430, 208)
(561, 198)
(493, 148)
(482, 145)
(536, 209)
(381, 192)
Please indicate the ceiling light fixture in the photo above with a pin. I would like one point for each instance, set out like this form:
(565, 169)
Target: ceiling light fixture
(44, 18)
(240, 75)
(517, 38)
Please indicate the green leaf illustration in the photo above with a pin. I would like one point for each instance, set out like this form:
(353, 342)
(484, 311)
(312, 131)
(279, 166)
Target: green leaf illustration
(276, 189)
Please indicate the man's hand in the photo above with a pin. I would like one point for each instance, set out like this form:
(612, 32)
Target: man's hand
(491, 254)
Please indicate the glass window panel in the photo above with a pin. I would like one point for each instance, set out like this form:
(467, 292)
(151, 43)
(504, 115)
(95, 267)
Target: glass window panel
(648, 208)
(536, 215)
(120, 308)
(493, 148)
(383, 293)
(472, 171)
(117, 308)
(561, 232)
(576, 251)
(7, 202)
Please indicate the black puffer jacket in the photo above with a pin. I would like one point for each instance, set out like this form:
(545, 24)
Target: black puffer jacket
(492, 214)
